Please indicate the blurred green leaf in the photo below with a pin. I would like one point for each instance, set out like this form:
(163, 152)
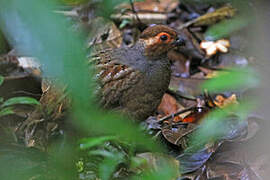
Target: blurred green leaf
(4, 47)
(80, 165)
(226, 28)
(107, 7)
(219, 124)
(87, 143)
(164, 170)
(109, 164)
(20, 162)
(124, 23)
(1, 80)
(6, 111)
(34, 29)
(209, 131)
(73, 2)
(20, 100)
(136, 162)
(111, 159)
(61, 161)
(48, 36)
(232, 80)
(112, 123)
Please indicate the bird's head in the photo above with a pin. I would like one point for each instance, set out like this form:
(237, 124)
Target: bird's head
(159, 39)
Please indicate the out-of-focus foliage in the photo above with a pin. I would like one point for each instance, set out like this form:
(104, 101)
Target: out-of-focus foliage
(235, 79)
(34, 29)
(164, 170)
(216, 125)
(3, 44)
(221, 124)
(226, 28)
(20, 100)
(1, 80)
(18, 162)
(48, 37)
(6, 105)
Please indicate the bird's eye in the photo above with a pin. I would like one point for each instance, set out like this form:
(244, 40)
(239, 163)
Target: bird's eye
(163, 37)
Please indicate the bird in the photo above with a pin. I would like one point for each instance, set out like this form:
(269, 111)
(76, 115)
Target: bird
(131, 80)
(134, 79)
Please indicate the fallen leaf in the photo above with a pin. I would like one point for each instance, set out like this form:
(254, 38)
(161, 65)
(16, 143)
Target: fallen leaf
(178, 134)
(152, 5)
(221, 101)
(168, 106)
(194, 117)
(211, 47)
(212, 17)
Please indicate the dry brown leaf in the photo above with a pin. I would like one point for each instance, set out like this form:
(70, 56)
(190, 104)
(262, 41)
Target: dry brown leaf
(221, 102)
(107, 35)
(195, 117)
(178, 135)
(168, 106)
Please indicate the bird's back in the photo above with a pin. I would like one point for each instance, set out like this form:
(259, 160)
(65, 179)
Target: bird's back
(128, 81)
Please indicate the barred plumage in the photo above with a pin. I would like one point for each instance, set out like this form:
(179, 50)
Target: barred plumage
(134, 79)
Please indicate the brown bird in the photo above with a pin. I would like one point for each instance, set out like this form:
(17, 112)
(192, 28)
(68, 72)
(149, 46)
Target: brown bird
(131, 80)
(134, 79)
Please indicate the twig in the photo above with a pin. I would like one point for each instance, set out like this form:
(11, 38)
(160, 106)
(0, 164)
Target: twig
(26, 93)
(68, 13)
(134, 11)
(145, 18)
(178, 95)
(176, 114)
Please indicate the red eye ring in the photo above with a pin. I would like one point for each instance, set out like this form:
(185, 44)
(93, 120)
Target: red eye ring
(164, 37)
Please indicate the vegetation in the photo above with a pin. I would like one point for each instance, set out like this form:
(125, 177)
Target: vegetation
(106, 145)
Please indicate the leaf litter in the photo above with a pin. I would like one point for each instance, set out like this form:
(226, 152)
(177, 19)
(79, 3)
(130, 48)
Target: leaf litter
(183, 110)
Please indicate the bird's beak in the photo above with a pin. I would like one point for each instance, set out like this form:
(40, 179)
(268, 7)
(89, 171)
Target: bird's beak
(179, 41)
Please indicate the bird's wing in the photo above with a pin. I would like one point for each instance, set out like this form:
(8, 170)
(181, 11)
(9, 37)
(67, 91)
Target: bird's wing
(113, 78)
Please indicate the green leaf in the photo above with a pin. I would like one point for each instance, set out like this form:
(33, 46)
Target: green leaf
(226, 28)
(48, 36)
(20, 100)
(1, 80)
(136, 162)
(6, 111)
(124, 23)
(163, 169)
(210, 130)
(109, 164)
(87, 143)
(4, 47)
(232, 80)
